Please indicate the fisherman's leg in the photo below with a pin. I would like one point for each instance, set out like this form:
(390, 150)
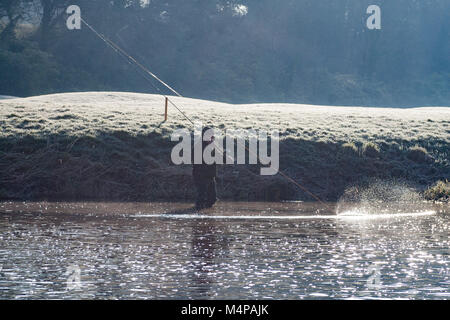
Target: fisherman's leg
(211, 193)
(201, 187)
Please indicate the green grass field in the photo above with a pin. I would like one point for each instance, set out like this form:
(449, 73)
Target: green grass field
(115, 146)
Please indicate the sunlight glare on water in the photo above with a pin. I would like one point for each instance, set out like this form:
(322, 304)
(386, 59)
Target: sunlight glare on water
(123, 251)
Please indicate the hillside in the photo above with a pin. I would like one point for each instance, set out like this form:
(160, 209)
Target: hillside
(111, 145)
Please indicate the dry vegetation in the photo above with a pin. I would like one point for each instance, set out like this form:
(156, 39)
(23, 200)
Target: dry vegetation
(115, 146)
(440, 190)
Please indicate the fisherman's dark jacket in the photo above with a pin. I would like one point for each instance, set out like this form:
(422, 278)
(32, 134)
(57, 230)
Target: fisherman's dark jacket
(203, 171)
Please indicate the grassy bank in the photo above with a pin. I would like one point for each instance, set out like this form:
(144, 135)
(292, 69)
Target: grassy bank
(114, 146)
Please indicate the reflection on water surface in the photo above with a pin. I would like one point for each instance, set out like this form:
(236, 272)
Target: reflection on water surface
(163, 251)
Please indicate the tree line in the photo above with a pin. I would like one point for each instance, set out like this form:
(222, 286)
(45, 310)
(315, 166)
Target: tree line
(240, 51)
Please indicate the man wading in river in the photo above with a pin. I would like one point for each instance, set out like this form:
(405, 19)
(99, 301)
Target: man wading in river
(205, 178)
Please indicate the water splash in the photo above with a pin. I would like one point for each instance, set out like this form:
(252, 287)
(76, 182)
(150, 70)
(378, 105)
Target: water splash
(381, 197)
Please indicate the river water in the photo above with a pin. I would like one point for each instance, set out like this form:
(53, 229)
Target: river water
(234, 251)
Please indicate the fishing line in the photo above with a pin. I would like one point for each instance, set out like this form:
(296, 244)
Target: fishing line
(141, 68)
(145, 71)
(118, 49)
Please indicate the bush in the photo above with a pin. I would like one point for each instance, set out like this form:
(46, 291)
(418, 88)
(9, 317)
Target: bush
(371, 150)
(25, 70)
(349, 148)
(418, 154)
(439, 192)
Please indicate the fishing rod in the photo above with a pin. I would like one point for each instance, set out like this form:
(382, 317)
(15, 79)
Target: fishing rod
(145, 71)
